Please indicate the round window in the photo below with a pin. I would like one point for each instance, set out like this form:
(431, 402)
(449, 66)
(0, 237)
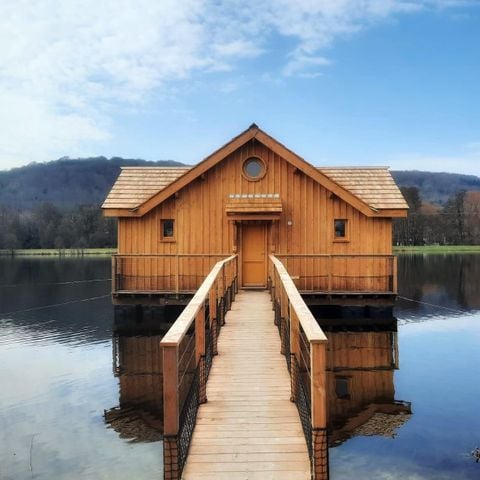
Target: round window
(254, 168)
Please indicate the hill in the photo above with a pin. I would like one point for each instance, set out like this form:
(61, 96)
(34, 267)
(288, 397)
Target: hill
(435, 187)
(65, 182)
(68, 183)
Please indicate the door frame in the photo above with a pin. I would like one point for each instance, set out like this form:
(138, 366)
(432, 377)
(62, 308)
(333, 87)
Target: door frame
(243, 225)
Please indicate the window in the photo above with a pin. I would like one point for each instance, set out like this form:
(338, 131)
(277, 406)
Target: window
(342, 389)
(254, 168)
(167, 229)
(340, 227)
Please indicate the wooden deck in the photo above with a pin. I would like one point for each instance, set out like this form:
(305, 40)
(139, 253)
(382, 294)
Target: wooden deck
(248, 429)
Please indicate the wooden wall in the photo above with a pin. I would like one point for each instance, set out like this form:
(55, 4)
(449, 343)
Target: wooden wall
(201, 225)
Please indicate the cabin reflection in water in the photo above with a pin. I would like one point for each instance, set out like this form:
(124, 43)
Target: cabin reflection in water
(360, 381)
(137, 362)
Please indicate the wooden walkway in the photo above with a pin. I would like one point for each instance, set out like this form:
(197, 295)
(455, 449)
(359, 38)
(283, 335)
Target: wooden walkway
(248, 429)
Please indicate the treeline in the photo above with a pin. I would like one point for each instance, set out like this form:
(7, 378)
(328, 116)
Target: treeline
(457, 222)
(47, 226)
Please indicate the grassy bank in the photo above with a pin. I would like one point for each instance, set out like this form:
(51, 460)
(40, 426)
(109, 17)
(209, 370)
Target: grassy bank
(438, 249)
(64, 252)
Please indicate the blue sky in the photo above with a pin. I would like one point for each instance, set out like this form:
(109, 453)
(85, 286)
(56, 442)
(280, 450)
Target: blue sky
(341, 82)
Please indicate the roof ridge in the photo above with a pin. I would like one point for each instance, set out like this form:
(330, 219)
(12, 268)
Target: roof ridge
(356, 168)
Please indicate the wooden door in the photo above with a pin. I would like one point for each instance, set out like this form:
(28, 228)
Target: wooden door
(254, 255)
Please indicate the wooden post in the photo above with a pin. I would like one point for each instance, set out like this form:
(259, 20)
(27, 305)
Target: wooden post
(294, 351)
(212, 301)
(171, 412)
(200, 352)
(114, 274)
(170, 385)
(319, 410)
(330, 266)
(394, 273)
(236, 274)
(177, 276)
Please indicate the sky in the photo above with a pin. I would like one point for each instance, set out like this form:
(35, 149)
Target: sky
(340, 82)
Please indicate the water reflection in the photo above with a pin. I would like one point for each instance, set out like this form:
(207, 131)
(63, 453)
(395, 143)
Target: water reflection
(137, 362)
(447, 280)
(360, 380)
(138, 365)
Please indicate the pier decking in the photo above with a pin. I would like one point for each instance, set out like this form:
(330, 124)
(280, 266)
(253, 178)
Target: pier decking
(243, 414)
(249, 428)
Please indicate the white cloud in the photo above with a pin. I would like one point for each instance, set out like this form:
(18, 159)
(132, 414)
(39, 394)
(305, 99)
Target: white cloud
(66, 67)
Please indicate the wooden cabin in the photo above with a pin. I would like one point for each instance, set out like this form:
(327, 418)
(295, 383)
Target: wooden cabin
(331, 227)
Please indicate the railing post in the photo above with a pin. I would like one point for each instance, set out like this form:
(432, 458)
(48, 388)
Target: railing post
(171, 413)
(294, 350)
(319, 410)
(114, 274)
(212, 301)
(394, 274)
(236, 274)
(330, 266)
(177, 275)
(200, 352)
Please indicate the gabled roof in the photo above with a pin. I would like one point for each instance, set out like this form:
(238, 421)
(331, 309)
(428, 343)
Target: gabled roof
(370, 190)
(135, 185)
(374, 185)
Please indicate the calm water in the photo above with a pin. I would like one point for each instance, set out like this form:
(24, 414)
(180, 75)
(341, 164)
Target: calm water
(62, 367)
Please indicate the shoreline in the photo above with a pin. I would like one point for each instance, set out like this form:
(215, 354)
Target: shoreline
(80, 252)
(450, 249)
(56, 252)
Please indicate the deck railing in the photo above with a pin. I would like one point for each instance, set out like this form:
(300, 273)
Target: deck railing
(161, 273)
(188, 349)
(304, 346)
(342, 273)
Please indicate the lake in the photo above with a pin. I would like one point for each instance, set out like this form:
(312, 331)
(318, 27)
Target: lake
(80, 400)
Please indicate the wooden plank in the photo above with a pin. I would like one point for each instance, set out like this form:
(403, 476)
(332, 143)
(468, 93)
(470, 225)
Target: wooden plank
(248, 428)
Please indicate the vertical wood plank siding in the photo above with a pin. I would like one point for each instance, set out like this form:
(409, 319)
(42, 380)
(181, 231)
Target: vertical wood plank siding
(201, 225)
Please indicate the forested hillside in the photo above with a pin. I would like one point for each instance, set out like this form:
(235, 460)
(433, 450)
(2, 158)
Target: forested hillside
(56, 205)
(64, 182)
(436, 187)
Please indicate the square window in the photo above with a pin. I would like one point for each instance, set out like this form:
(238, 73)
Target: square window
(340, 229)
(342, 389)
(167, 229)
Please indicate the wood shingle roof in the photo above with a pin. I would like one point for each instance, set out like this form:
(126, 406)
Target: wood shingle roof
(135, 185)
(372, 185)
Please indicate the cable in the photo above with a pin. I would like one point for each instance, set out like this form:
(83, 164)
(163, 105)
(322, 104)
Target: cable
(3, 314)
(433, 305)
(55, 283)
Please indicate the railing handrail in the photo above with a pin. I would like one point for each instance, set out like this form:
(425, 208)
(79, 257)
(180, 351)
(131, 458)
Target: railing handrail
(309, 325)
(179, 329)
(330, 255)
(170, 254)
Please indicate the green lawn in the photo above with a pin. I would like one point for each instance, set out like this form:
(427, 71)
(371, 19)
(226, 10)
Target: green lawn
(438, 249)
(69, 252)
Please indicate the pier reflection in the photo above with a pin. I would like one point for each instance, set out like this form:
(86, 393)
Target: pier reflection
(360, 383)
(137, 363)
